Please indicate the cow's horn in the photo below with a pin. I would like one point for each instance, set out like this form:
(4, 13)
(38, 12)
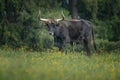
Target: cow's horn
(63, 16)
(59, 20)
(42, 19)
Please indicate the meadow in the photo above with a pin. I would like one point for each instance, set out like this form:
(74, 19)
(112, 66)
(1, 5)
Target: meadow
(55, 65)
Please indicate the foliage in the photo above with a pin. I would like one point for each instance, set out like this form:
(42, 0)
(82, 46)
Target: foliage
(20, 25)
(107, 29)
(17, 65)
(107, 45)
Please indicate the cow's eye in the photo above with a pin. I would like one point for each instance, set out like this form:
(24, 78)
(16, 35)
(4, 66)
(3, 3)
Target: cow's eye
(57, 24)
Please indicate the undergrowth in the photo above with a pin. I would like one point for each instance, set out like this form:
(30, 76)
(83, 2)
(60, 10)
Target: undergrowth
(55, 65)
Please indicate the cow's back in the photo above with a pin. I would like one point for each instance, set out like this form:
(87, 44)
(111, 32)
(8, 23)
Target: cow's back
(77, 28)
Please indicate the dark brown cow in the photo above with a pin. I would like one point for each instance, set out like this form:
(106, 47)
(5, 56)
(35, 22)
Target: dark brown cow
(70, 31)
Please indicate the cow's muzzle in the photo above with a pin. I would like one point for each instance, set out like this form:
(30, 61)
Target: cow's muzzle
(51, 33)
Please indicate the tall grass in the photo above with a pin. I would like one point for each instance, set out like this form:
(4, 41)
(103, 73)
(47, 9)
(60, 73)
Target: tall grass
(51, 65)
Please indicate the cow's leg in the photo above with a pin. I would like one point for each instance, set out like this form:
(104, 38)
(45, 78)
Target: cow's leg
(87, 46)
(74, 45)
(65, 41)
(62, 46)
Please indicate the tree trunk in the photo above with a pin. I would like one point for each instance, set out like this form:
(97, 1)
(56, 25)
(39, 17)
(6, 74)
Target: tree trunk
(73, 8)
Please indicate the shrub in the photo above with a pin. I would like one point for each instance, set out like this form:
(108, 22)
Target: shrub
(108, 45)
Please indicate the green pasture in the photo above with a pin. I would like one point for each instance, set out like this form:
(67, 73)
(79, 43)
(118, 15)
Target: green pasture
(55, 65)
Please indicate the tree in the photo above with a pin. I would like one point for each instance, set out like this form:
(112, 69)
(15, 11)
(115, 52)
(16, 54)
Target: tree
(73, 9)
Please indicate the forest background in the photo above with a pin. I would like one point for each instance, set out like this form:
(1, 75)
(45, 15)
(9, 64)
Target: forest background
(20, 26)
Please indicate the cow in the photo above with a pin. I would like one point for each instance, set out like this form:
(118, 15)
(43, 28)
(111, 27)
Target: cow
(70, 31)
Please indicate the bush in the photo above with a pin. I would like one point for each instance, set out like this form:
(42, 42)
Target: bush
(108, 45)
(42, 40)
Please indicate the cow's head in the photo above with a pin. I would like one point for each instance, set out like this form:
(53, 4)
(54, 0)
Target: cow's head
(51, 24)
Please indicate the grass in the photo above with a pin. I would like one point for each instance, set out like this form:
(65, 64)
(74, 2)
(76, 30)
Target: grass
(21, 65)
